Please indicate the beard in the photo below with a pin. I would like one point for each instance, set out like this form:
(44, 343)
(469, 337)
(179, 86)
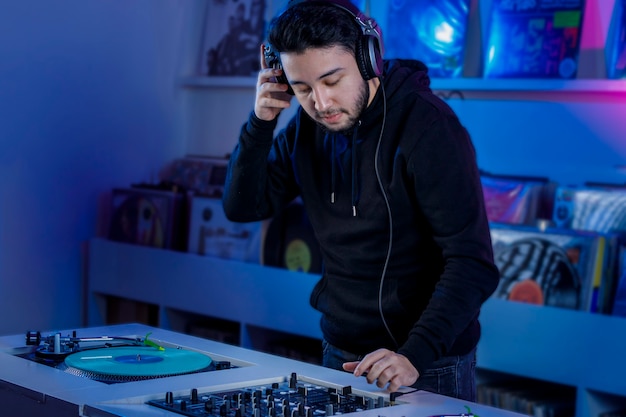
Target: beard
(360, 104)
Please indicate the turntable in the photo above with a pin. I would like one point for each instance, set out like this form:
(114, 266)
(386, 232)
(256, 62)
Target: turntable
(144, 371)
(116, 359)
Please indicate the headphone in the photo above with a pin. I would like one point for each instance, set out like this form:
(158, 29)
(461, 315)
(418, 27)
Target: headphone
(369, 46)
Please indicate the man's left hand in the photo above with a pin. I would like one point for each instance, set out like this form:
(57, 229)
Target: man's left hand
(385, 367)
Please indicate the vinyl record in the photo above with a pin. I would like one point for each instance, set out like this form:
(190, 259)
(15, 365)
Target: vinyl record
(135, 362)
(291, 243)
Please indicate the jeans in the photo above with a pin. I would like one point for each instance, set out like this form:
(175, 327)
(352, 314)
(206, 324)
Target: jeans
(454, 376)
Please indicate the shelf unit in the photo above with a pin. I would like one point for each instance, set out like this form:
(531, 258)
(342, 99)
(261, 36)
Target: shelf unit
(509, 89)
(461, 83)
(264, 306)
(231, 301)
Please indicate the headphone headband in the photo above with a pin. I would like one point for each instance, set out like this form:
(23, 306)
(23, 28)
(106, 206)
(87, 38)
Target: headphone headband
(369, 46)
(368, 26)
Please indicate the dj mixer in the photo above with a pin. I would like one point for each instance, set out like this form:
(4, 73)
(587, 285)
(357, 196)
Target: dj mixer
(135, 371)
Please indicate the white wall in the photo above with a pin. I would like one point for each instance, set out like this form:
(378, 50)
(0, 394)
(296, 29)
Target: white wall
(88, 101)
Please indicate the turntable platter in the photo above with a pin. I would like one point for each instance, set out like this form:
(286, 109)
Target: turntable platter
(135, 363)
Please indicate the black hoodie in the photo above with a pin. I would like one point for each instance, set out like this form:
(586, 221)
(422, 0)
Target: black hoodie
(426, 288)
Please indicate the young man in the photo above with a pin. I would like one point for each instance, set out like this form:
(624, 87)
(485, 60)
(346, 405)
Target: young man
(389, 180)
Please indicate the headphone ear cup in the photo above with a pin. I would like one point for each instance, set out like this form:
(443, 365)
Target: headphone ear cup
(368, 57)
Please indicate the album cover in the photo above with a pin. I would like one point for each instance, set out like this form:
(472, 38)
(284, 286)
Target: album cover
(233, 32)
(149, 217)
(204, 176)
(617, 45)
(212, 234)
(600, 209)
(517, 200)
(619, 298)
(534, 39)
(432, 31)
(560, 268)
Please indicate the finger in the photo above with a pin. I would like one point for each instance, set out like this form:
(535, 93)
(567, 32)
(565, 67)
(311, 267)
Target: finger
(262, 51)
(369, 360)
(350, 366)
(267, 75)
(393, 385)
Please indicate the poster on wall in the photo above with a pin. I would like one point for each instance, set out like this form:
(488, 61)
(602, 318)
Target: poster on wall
(534, 39)
(617, 50)
(432, 31)
(233, 32)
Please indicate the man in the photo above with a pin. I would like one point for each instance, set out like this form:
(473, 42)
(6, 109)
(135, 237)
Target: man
(388, 177)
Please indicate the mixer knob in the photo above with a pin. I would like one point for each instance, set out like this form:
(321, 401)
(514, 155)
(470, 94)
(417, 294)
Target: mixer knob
(194, 396)
(33, 338)
(208, 405)
(169, 398)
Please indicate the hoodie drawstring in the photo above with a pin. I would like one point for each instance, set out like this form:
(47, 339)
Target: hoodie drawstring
(354, 170)
(354, 183)
(332, 171)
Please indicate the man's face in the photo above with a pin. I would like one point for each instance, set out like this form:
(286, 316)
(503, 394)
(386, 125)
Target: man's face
(328, 85)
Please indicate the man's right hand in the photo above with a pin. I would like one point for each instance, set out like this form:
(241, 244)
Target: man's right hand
(271, 96)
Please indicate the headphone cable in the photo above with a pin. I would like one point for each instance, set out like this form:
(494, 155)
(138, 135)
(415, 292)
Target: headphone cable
(390, 245)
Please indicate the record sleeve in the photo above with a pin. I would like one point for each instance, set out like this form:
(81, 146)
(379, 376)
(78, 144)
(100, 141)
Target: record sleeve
(212, 234)
(619, 300)
(204, 176)
(432, 31)
(149, 216)
(233, 32)
(599, 209)
(517, 200)
(559, 268)
(602, 209)
(534, 39)
(616, 50)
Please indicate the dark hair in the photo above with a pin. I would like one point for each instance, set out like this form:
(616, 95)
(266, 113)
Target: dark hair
(313, 25)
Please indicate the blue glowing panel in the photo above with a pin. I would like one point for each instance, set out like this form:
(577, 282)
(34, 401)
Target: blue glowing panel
(432, 31)
(617, 52)
(360, 4)
(534, 38)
